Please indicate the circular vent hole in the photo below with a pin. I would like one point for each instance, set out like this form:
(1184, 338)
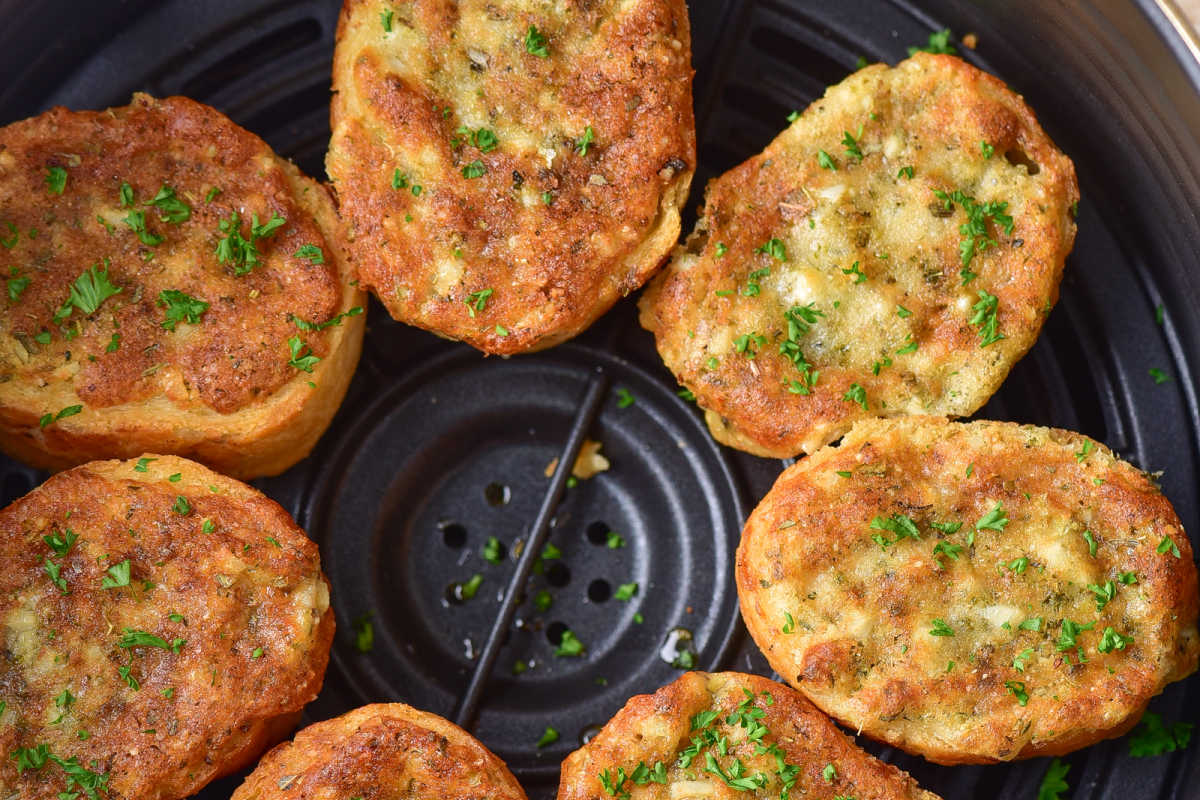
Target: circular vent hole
(454, 535)
(557, 574)
(555, 631)
(597, 533)
(599, 590)
(497, 494)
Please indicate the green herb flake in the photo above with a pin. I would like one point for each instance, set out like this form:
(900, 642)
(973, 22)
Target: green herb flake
(536, 43)
(626, 591)
(1167, 545)
(940, 628)
(56, 180)
(302, 357)
(117, 576)
(939, 42)
(584, 142)
(856, 394)
(549, 737)
(1153, 738)
(569, 646)
(826, 161)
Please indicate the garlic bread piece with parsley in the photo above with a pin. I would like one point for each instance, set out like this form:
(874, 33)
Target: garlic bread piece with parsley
(172, 286)
(894, 251)
(509, 169)
(384, 751)
(727, 736)
(971, 592)
(163, 626)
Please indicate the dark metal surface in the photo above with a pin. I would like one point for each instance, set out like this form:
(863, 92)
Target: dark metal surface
(436, 448)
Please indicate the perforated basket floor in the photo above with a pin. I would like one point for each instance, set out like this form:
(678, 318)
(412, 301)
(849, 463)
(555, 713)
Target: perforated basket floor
(437, 448)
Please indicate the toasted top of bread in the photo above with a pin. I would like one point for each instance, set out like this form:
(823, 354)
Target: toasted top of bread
(386, 751)
(168, 279)
(727, 736)
(508, 170)
(895, 250)
(971, 592)
(158, 619)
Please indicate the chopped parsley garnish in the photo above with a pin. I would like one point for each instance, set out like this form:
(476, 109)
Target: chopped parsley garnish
(54, 571)
(385, 19)
(1111, 640)
(483, 139)
(940, 628)
(946, 548)
(1070, 630)
(987, 149)
(899, 524)
(829, 773)
(56, 180)
(939, 42)
(399, 181)
(1018, 690)
(535, 43)
(994, 520)
(626, 591)
(1053, 782)
(789, 624)
(181, 506)
(748, 343)
(1167, 545)
(491, 550)
(364, 634)
(859, 275)
(799, 321)
(212, 194)
(125, 193)
(1031, 624)
(985, 319)
(50, 418)
(114, 344)
(584, 142)
(905, 172)
(16, 284)
(91, 289)
(469, 589)
(1021, 658)
(501, 331)
(548, 738)
(137, 221)
(475, 169)
(856, 394)
(569, 645)
(625, 398)
(543, 600)
(614, 541)
(946, 527)
(902, 312)
(1159, 376)
(118, 576)
(1128, 578)
(853, 151)
(313, 253)
(142, 463)
(1091, 543)
(180, 308)
(305, 325)
(170, 208)
(1019, 565)
(477, 301)
(722, 249)
(975, 230)
(302, 357)
(1083, 451)
(243, 253)
(1153, 738)
(752, 288)
(135, 638)
(826, 161)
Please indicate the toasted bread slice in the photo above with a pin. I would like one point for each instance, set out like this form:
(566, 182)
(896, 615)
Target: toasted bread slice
(971, 592)
(172, 286)
(164, 625)
(895, 251)
(507, 169)
(386, 750)
(727, 736)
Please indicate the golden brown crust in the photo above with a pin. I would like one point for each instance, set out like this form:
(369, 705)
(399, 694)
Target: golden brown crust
(221, 390)
(232, 589)
(1054, 530)
(658, 728)
(875, 252)
(401, 97)
(386, 751)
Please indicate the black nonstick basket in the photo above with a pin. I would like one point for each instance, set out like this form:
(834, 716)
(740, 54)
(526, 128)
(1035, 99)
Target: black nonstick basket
(437, 449)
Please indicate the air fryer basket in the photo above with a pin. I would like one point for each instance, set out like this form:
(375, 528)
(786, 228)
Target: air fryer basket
(438, 448)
